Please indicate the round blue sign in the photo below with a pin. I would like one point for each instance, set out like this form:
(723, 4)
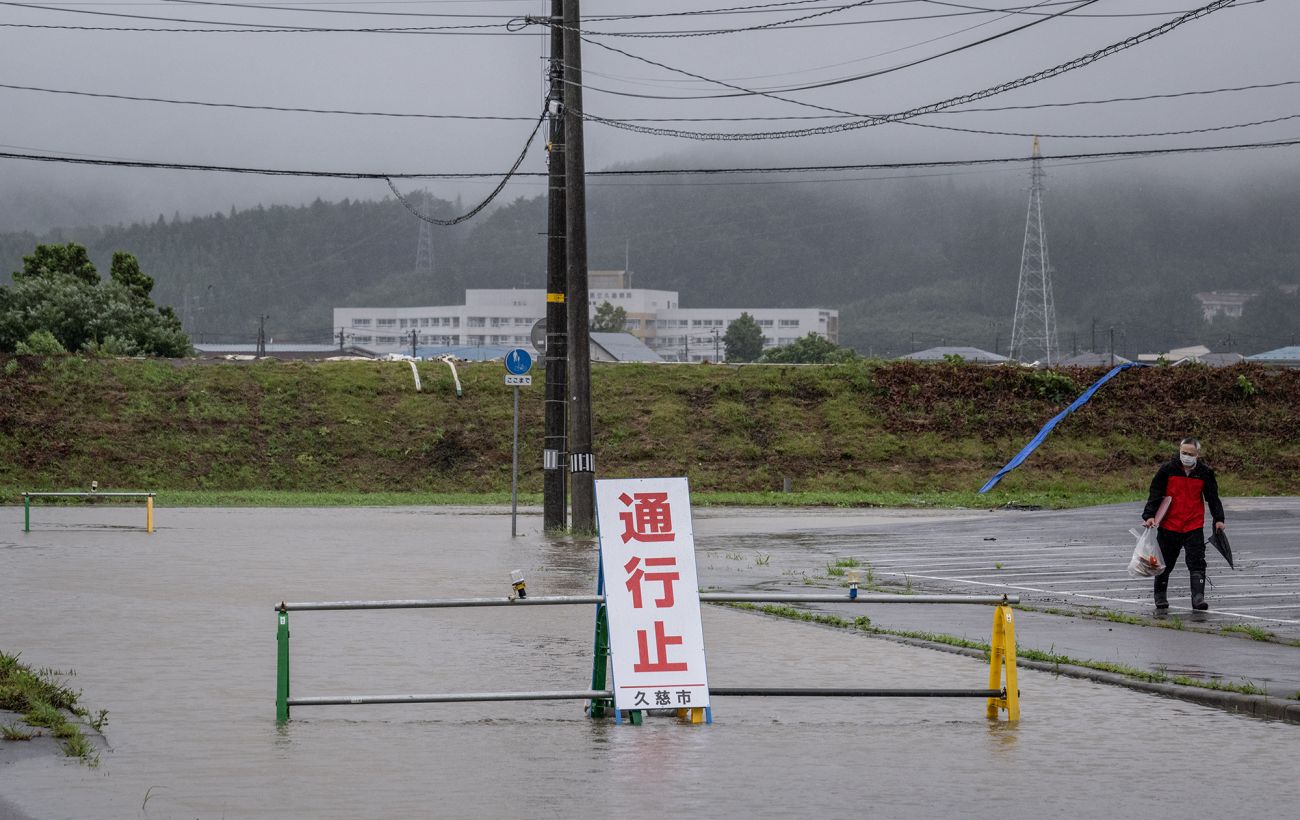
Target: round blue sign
(518, 361)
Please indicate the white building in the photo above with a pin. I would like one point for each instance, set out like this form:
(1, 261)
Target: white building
(506, 317)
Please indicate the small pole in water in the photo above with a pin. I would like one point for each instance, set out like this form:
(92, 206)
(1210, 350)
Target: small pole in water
(282, 665)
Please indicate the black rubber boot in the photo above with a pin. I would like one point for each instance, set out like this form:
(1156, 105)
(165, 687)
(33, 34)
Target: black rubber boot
(1162, 591)
(1198, 591)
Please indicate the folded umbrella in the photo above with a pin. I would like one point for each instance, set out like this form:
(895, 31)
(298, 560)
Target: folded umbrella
(1220, 542)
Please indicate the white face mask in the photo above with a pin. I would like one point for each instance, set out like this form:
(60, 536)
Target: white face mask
(1188, 461)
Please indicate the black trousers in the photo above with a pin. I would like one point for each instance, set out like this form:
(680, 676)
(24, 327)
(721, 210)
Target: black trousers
(1172, 543)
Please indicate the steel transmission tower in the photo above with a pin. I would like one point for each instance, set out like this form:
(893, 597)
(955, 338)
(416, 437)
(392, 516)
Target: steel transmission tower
(424, 250)
(1033, 331)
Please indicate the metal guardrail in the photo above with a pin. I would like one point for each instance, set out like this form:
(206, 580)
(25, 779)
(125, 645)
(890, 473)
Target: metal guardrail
(27, 503)
(1002, 652)
(705, 597)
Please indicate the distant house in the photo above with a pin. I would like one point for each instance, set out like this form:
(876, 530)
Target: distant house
(1282, 357)
(621, 347)
(1178, 354)
(1090, 359)
(968, 354)
(1217, 359)
(1224, 303)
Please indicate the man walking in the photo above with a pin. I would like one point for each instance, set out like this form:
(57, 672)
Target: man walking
(1190, 485)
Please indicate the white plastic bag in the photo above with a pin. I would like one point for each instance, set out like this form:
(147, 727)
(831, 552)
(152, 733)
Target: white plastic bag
(1147, 560)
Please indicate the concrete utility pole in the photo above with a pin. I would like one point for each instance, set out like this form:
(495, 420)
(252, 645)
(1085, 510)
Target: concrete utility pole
(582, 459)
(413, 338)
(340, 340)
(554, 450)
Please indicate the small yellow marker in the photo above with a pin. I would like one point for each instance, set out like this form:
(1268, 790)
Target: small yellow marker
(148, 514)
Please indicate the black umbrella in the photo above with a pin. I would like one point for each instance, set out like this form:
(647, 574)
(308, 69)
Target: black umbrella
(1220, 542)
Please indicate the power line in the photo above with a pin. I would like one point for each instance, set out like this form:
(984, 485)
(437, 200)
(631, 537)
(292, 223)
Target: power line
(486, 201)
(788, 169)
(248, 107)
(951, 102)
(746, 92)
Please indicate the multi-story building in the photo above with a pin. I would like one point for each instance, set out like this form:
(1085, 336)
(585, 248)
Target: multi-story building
(505, 317)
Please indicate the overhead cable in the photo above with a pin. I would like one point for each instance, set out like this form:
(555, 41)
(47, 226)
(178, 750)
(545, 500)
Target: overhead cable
(242, 106)
(787, 169)
(952, 102)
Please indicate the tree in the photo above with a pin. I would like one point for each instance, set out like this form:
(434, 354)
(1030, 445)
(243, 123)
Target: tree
(70, 259)
(58, 297)
(744, 339)
(609, 319)
(811, 349)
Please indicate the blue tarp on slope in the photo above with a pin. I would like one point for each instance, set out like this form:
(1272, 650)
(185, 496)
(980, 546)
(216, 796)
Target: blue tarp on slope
(1047, 428)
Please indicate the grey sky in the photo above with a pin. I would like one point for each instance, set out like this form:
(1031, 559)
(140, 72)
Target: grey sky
(502, 75)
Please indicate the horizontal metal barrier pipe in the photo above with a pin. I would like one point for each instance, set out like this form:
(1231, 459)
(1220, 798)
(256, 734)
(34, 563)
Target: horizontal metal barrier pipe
(854, 693)
(452, 697)
(843, 598)
(590, 694)
(706, 597)
(442, 603)
(89, 495)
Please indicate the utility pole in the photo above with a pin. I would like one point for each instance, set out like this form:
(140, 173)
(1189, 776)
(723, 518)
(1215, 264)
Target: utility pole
(413, 337)
(582, 459)
(340, 340)
(717, 354)
(554, 451)
(1112, 345)
(261, 334)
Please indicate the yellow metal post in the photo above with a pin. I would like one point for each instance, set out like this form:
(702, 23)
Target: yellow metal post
(1002, 659)
(148, 513)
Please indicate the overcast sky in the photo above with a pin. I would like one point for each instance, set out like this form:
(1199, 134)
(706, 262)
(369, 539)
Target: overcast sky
(491, 71)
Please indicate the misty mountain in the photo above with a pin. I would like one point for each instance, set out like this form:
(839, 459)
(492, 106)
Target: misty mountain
(909, 263)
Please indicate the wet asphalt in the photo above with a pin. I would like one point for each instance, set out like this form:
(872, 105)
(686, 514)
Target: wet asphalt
(1069, 568)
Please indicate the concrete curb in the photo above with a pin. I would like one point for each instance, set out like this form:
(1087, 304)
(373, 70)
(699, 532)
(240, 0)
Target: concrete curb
(1259, 706)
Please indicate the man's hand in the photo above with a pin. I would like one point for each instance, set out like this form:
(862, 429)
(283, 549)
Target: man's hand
(1149, 523)
(1218, 526)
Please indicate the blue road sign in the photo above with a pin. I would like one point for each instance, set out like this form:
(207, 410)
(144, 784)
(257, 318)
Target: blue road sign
(519, 361)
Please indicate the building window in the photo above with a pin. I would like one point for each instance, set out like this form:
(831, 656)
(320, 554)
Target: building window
(789, 323)
(386, 323)
(361, 323)
(362, 340)
(386, 340)
(764, 322)
(632, 323)
(402, 324)
(476, 321)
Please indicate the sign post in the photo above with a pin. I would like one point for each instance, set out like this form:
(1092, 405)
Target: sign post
(656, 640)
(518, 363)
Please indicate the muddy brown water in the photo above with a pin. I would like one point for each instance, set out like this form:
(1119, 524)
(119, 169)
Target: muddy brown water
(174, 634)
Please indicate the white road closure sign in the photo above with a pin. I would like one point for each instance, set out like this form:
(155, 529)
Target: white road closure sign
(647, 549)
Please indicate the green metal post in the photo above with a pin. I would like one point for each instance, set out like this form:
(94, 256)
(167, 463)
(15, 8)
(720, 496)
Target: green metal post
(600, 664)
(27, 513)
(282, 667)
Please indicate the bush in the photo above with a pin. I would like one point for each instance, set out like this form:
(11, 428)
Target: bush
(39, 343)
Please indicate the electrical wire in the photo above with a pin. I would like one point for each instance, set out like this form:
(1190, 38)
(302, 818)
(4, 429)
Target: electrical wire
(487, 201)
(738, 91)
(951, 102)
(245, 107)
(787, 169)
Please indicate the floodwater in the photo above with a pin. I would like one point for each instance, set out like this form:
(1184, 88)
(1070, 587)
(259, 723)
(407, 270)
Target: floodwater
(174, 634)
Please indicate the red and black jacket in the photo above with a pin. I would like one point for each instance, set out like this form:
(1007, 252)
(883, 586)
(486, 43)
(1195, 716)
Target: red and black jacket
(1186, 511)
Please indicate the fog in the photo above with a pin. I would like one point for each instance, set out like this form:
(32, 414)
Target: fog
(495, 72)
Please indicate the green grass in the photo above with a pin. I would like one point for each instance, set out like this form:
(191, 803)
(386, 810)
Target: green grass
(1255, 633)
(45, 702)
(15, 732)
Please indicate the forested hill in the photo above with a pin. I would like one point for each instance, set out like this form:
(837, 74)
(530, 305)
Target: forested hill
(917, 261)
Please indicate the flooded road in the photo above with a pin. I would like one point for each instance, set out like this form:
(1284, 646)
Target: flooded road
(174, 634)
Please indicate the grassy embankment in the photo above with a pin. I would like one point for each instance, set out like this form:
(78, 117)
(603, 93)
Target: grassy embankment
(45, 704)
(890, 434)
